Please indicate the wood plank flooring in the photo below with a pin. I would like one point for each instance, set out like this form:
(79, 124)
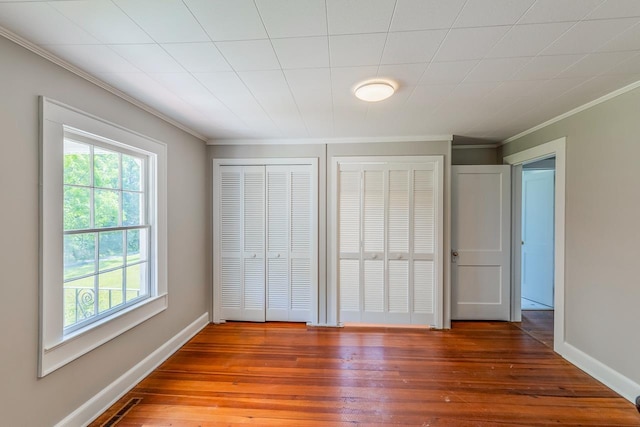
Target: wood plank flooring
(280, 374)
(538, 324)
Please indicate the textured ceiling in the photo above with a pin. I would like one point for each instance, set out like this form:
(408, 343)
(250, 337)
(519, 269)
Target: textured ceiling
(232, 69)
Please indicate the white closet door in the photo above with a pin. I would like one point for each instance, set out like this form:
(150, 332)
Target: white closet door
(389, 237)
(426, 201)
(349, 213)
(373, 243)
(242, 215)
(278, 289)
(290, 266)
(231, 231)
(302, 243)
(398, 243)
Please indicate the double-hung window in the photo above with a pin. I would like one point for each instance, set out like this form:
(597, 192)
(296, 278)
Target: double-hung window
(103, 232)
(106, 229)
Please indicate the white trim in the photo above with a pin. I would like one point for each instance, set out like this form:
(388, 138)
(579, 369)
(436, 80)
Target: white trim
(441, 317)
(92, 79)
(603, 373)
(94, 407)
(75, 346)
(266, 161)
(447, 241)
(555, 148)
(59, 114)
(516, 243)
(309, 141)
(576, 110)
(55, 348)
(471, 147)
(216, 316)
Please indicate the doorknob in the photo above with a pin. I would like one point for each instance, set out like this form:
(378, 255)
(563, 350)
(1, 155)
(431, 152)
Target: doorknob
(454, 253)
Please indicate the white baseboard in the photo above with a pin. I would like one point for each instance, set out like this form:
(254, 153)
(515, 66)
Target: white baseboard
(611, 378)
(99, 403)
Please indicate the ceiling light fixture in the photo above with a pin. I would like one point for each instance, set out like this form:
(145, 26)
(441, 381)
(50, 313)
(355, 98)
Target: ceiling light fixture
(374, 91)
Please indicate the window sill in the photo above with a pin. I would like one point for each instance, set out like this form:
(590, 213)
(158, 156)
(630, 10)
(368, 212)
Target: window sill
(84, 340)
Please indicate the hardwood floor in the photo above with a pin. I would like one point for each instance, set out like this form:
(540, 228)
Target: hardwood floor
(476, 374)
(538, 324)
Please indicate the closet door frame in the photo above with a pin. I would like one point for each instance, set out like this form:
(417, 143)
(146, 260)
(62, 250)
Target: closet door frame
(216, 308)
(333, 303)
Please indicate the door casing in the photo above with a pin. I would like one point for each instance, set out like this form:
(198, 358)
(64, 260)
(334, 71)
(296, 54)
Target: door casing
(553, 148)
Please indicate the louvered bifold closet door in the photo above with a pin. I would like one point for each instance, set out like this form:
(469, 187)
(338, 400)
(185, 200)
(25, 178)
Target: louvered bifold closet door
(289, 243)
(387, 240)
(349, 229)
(374, 293)
(242, 227)
(398, 244)
(231, 231)
(302, 244)
(425, 212)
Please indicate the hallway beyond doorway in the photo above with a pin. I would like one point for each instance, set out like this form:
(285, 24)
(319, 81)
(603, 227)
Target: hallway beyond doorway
(528, 304)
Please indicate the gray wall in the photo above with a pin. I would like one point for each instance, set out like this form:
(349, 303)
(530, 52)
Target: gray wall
(474, 156)
(602, 288)
(26, 400)
(324, 153)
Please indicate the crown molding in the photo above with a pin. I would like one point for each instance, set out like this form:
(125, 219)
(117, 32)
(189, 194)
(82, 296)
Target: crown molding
(471, 147)
(92, 79)
(576, 110)
(310, 141)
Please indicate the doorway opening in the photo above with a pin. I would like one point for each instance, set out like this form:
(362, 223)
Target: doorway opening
(541, 252)
(537, 235)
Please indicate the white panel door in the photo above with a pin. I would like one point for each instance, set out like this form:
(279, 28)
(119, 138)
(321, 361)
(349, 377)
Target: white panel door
(290, 243)
(242, 228)
(537, 235)
(480, 242)
(389, 232)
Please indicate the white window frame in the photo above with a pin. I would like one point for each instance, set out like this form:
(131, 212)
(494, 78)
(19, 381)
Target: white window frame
(57, 348)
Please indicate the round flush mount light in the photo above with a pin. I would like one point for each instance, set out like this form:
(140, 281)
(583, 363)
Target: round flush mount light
(374, 91)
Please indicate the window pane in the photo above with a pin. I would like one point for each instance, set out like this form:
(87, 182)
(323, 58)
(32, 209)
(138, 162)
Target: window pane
(111, 252)
(109, 290)
(107, 206)
(106, 168)
(132, 208)
(77, 208)
(79, 300)
(137, 245)
(79, 255)
(137, 281)
(131, 173)
(77, 163)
